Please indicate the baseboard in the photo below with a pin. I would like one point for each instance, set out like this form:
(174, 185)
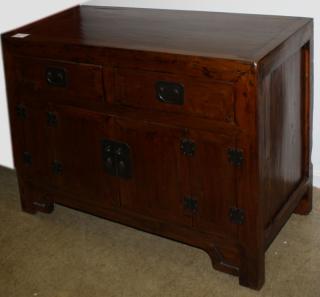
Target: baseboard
(316, 178)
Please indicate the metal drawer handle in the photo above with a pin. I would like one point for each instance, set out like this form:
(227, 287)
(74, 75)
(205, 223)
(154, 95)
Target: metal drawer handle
(56, 77)
(170, 92)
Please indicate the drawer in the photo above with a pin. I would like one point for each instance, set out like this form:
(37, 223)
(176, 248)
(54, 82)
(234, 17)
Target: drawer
(59, 80)
(175, 93)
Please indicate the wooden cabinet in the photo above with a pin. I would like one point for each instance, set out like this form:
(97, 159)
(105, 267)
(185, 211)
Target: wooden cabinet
(195, 130)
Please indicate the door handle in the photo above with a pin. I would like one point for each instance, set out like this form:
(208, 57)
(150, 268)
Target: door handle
(116, 158)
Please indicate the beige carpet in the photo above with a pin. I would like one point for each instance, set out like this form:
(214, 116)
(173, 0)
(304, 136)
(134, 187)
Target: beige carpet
(72, 254)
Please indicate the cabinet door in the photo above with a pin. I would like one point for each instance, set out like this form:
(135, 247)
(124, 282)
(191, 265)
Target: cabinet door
(157, 186)
(80, 171)
(213, 182)
(35, 148)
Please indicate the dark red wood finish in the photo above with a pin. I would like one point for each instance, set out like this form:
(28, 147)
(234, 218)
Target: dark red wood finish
(247, 88)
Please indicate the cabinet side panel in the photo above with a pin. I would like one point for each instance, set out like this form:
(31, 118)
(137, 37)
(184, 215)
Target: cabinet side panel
(283, 162)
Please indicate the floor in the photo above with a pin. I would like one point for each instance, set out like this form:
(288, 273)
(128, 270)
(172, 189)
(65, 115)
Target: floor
(73, 254)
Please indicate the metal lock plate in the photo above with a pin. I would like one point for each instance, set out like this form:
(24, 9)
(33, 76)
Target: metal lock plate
(123, 163)
(116, 158)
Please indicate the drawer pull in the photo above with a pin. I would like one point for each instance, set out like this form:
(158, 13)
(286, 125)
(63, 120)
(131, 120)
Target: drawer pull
(169, 92)
(56, 77)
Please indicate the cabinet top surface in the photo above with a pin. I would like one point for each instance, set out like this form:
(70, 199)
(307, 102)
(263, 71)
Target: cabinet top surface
(208, 34)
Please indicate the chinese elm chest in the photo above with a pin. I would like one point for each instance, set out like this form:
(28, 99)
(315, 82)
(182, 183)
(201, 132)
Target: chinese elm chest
(195, 126)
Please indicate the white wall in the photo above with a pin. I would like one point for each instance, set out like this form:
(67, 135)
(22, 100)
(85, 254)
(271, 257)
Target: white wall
(31, 10)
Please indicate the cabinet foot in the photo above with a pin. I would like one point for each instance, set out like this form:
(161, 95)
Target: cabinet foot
(46, 207)
(305, 205)
(28, 208)
(252, 272)
(219, 261)
(32, 207)
(34, 199)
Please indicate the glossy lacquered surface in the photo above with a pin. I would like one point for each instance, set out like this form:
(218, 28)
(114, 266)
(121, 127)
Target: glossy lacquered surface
(215, 152)
(209, 34)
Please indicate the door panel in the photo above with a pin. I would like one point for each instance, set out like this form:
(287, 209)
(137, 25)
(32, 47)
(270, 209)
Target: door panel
(36, 152)
(157, 185)
(78, 140)
(213, 182)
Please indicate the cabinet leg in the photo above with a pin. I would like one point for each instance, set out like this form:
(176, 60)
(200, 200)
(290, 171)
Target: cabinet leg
(219, 262)
(41, 204)
(34, 199)
(252, 272)
(27, 206)
(305, 205)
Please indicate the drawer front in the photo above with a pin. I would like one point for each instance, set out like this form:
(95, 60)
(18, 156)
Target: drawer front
(175, 93)
(59, 80)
